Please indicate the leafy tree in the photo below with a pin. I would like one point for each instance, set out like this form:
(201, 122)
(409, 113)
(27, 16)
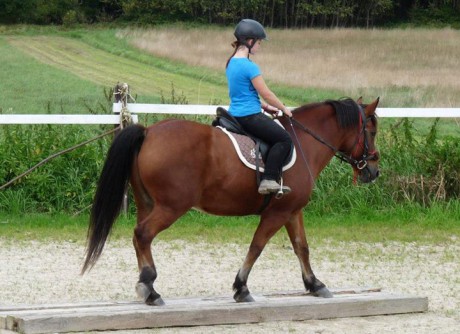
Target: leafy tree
(52, 12)
(370, 9)
(16, 11)
(101, 10)
(271, 13)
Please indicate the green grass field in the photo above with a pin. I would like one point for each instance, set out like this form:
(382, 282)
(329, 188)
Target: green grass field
(434, 226)
(90, 61)
(46, 70)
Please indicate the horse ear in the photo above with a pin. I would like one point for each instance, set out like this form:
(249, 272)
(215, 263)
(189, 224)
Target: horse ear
(370, 109)
(359, 100)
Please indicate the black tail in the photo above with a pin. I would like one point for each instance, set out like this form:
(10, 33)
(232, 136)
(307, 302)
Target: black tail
(111, 187)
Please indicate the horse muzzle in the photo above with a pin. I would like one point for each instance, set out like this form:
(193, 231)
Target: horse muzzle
(368, 174)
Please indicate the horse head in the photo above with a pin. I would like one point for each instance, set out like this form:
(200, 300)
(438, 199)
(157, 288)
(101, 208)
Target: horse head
(364, 156)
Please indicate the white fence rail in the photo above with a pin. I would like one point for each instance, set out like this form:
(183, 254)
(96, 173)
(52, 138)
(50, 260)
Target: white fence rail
(419, 112)
(193, 109)
(61, 119)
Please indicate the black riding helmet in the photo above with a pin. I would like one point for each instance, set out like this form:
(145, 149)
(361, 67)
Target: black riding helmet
(249, 29)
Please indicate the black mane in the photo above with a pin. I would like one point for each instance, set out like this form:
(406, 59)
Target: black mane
(347, 112)
(346, 109)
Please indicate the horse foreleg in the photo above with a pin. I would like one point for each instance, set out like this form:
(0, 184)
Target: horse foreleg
(267, 228)
(296, 232)
(144, 233)
(240, 287)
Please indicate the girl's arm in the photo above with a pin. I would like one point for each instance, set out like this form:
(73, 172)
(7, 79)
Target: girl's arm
(259, 84)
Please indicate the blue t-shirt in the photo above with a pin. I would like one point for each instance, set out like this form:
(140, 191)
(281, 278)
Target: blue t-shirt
(244, 99)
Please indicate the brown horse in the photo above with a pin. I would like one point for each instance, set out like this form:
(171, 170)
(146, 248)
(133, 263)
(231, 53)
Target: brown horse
(176, 165)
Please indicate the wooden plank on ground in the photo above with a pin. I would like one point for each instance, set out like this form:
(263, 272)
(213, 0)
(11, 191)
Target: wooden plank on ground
(281, 306)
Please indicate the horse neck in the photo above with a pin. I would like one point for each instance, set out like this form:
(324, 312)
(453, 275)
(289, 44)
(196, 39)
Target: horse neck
(320, 120)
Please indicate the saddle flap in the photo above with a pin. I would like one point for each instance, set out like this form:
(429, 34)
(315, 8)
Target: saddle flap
(246, 150)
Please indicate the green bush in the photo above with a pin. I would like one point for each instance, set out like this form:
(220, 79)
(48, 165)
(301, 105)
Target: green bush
(424, 169)
(416, 170)
(440, 16)
(65, 183)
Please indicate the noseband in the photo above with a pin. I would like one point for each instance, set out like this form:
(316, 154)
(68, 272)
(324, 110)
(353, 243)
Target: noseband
(361, 141)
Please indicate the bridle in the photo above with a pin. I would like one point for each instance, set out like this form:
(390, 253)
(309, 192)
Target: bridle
(361, 141)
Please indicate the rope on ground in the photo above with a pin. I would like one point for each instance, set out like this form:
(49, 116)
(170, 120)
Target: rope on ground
(58, 154)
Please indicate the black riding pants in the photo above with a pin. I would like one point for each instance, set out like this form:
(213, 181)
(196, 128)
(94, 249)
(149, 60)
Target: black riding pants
(263, 127)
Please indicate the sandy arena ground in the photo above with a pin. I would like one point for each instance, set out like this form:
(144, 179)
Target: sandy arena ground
(34, 272)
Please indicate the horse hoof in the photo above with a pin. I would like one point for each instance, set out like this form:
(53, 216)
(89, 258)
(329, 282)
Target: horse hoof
(323, 293)
(151, 300)
(246, 299)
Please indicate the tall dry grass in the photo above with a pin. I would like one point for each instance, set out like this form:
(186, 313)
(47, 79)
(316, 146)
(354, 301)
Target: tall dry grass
(420, 62)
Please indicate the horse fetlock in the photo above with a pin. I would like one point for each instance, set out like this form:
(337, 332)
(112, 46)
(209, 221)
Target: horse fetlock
(239, 282)
(312, 284)
(144, 288)
(148, 275)
(240, 287)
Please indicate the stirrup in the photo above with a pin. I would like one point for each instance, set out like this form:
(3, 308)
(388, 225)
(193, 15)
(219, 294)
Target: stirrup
(273, 188)
(283, 190)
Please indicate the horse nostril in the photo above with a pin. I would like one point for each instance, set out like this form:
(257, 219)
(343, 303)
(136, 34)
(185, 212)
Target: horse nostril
(377, 173)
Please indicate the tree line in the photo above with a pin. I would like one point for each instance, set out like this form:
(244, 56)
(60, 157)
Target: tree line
(271, 13)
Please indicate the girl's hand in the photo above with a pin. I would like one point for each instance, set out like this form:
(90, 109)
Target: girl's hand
(269, 108)
(287, 112)
(275, 111)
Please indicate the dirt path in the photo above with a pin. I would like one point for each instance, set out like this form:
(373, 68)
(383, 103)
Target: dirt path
(34, 272)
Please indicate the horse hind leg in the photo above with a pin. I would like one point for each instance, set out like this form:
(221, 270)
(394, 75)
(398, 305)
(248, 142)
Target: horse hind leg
(296, 232)
(158, 220)
(147, 276)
